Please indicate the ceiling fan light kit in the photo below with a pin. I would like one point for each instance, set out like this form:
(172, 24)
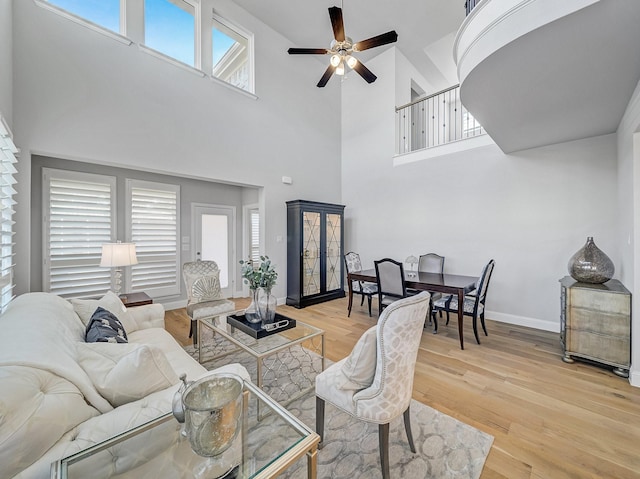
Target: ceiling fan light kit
(341, 50)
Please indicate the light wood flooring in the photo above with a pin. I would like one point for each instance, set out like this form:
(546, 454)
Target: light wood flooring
(550, 420)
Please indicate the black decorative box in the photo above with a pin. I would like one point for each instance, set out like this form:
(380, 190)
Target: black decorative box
(255, 330)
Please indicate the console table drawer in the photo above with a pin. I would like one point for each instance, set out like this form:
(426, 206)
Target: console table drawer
(599, 322)
(614, 350)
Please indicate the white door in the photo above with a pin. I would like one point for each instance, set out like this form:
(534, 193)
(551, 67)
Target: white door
(214, 228)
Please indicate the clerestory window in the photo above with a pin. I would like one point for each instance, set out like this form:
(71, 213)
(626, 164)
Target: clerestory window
(170, 28)
(105, 13)
(232, 54)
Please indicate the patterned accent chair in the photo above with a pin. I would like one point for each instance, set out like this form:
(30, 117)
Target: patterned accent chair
(395, 343)
(202, 279)
(363, 288)
(473, 302)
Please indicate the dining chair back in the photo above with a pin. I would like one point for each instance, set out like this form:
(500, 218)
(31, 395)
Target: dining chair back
(363, 288)
(431, 263)
(390, 279)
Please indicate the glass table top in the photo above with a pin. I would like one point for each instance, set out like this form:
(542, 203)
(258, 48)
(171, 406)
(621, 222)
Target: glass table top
(158, 449)
(262, 346)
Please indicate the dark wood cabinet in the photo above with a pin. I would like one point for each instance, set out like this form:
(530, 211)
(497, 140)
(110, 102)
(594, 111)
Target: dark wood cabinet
(595, 323)
(315, 244)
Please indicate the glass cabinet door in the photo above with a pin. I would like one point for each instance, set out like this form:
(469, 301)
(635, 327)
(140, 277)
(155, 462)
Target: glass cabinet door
(333, 241)
(311, 253)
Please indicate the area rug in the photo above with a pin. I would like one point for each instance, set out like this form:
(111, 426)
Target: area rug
(446, 448)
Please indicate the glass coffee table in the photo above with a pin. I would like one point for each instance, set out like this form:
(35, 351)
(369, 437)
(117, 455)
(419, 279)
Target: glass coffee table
(286, 361)
(157, 449)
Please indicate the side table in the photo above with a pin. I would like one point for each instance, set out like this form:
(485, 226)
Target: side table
(135, 299)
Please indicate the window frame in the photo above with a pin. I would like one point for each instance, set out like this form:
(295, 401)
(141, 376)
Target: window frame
(130, 185)
(76, 176)
(8, 158)
(216, 17)
(85, 22)
(197, 34)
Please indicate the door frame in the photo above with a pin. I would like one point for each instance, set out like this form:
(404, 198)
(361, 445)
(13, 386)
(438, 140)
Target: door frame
(232, 239)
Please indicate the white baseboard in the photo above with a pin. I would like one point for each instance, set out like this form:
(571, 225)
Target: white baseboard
(524, 321)
(634, 377)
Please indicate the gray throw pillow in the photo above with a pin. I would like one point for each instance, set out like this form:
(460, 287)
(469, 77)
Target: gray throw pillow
(104, 327)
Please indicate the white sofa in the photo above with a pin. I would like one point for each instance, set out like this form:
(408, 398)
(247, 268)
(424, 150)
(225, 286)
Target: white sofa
(49, 405)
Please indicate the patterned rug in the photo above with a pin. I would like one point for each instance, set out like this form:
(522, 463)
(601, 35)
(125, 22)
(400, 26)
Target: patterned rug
(446, 448)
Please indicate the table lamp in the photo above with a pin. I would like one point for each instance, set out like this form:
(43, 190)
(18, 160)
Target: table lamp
(117, 255)
(411, 260)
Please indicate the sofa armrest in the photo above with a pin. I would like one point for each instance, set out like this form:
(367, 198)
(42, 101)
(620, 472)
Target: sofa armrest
(144, 317)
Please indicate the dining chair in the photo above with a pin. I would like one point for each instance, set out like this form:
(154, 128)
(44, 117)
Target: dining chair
(363, 288)
(432, 263)
(204, 296)
(390, 279)
(474, 302)
(375, 382)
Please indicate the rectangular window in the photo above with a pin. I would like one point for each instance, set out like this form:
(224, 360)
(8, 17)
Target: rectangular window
(79, 216)
(170, 28)
(153, 221)
(105, 13)
(232, 54)
(254, 235)
(8, 152)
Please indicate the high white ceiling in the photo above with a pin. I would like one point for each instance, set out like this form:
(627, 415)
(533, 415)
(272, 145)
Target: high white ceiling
(420, 24)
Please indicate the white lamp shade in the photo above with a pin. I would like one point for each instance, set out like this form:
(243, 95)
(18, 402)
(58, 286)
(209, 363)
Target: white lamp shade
(118, 254)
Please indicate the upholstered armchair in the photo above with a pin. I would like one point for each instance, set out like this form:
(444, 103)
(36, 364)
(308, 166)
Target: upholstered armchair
(375, 382)
(202, 279)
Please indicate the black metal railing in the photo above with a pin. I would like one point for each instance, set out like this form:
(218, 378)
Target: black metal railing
(433, 121)
(470, 5)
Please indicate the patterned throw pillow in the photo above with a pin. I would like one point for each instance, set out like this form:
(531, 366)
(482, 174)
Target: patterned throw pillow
(104, 327)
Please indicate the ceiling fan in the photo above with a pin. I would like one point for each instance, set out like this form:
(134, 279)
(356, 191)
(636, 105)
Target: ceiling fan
(341, 50)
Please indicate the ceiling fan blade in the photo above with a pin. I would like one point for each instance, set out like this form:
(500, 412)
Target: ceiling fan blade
(325, 78)
(335, 13)
(376, 41)
(308, 51)
(364, 72)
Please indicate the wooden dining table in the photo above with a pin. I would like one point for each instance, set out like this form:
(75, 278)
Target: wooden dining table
(441, 283)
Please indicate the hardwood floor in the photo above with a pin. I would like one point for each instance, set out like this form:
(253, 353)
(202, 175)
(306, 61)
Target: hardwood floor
(550, 420)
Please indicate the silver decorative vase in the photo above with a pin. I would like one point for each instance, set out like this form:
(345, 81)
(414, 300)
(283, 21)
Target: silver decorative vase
(591, 265)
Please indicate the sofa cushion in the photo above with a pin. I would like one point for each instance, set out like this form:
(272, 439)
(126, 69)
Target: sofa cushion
(85, 308)
(104, 327)
(180, 360)
(360, 366)
(37, 408)
(126, 372)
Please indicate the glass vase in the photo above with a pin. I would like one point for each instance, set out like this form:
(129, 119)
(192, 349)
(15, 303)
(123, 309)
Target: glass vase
(267, 307)
(591, 265)
(252, 314)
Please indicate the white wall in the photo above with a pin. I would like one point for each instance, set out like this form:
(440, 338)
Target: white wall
(6, 60)
(529, 211)
(79, 94)
(628, 206)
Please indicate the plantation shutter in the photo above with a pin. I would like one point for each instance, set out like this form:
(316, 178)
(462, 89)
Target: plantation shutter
(79, 216)
(254, 247)
(8, 152)
(153, 225)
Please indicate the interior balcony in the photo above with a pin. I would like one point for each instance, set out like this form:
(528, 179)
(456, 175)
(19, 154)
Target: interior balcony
(540, 72)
